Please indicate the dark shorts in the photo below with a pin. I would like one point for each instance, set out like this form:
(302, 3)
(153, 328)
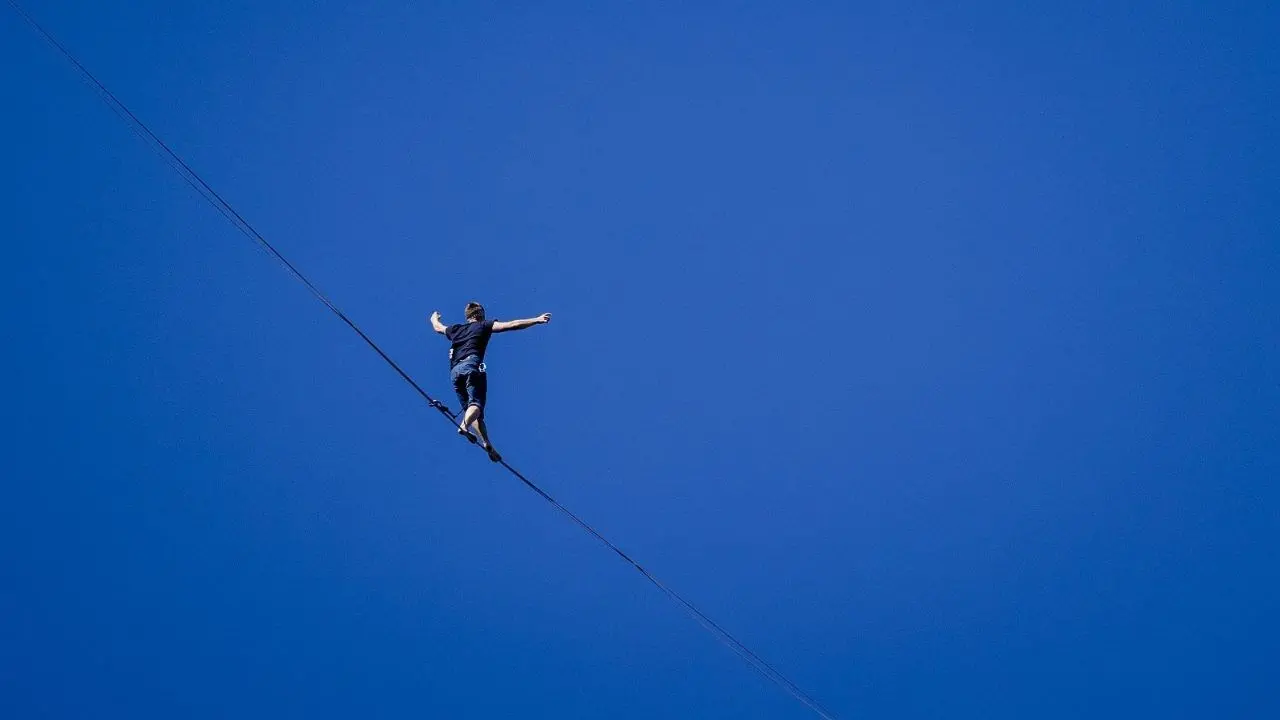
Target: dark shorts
(470, 383)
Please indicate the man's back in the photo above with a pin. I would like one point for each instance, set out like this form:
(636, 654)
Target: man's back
(467, 339)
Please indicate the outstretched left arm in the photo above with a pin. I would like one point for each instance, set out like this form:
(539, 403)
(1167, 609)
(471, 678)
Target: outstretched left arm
(436, 324)
(505, 325)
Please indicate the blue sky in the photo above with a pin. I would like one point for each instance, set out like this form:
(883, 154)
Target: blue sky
(931, 350)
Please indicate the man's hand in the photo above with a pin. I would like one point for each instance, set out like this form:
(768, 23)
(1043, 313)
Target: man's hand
(436, 324)
(544, 318)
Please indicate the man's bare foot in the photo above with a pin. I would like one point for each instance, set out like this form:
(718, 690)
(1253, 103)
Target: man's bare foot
(466, 434)
(493, 454)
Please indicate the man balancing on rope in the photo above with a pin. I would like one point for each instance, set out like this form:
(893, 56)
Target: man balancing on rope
(466, 365)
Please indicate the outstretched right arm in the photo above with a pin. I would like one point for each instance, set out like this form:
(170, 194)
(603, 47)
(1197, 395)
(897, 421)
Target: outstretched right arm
(436, 324)
(506, 325)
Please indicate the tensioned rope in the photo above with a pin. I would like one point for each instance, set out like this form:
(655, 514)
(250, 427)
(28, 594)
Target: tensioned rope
(192, 178)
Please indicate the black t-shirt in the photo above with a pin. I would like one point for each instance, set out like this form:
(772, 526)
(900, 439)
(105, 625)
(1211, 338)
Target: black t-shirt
(468, 339)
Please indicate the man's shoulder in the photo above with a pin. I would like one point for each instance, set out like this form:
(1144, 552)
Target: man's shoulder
(468, 328)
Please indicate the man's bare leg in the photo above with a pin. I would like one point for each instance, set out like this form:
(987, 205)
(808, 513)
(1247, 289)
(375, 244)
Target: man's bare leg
(483, 431)
(469, 418)
(474, 418)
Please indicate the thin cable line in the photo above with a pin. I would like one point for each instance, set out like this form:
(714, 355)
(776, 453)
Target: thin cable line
(206, 191)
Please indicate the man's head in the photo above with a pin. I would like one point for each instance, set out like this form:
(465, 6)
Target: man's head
(474, 312)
